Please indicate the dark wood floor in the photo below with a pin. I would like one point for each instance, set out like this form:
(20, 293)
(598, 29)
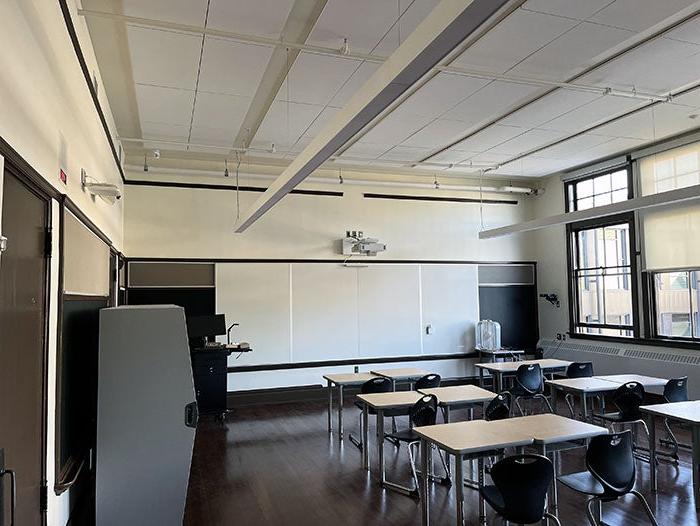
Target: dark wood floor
(277, 465)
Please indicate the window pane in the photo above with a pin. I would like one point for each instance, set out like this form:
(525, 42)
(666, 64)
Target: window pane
(619, 180)
(585, 204)
(602, 199)
(695, 302)
(584, 188)
(672, 304)
(590, 300)
(619, 196)
(601, 184)
(618, 300)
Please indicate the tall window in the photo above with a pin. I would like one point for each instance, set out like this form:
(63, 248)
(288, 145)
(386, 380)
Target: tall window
(598, 190)
(676, 302)
(602, 268)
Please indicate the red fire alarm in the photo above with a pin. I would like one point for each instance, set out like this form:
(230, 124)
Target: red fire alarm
(63, 176)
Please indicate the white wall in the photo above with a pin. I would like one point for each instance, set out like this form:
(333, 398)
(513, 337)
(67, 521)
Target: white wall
(47, 115)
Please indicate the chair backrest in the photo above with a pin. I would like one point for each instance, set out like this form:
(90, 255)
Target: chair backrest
(376, 385)
(429, 381)
(628, 397)
(424, 411)
(523, 481)
(529, 378)
(610, 460)
(676, 390)
(579, 370)
(499, 407)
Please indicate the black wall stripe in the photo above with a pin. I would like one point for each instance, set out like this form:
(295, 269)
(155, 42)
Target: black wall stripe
(405, 197)
(86, 73)
(201, 186)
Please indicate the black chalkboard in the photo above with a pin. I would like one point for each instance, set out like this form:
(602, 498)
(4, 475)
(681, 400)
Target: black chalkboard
(515, 308)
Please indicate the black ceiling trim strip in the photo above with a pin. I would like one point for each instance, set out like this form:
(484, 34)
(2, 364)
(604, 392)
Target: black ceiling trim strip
(340, 260)
(357, 361)
(405, 197)
(201, 186)
(86, 73)
(13, 158)
(73, 209)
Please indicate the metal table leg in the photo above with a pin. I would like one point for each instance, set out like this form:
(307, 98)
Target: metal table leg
(459, 476)
(499, 381)
(425, 493)
(365, 437)
(380, 446)
(482, 502)
(340, 411)
(696, 465)
(330, 406)
(481, 376)
(652, 453)
(584, 406)
(447, 414)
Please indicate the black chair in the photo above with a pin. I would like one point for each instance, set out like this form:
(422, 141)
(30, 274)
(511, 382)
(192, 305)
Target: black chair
(675, 390)
(529, 384)
(422, 413)
(429, 381)
(519, 490)
(577, 370)
(611, 473)
(627, 398)
(499, 407)
(375, 385)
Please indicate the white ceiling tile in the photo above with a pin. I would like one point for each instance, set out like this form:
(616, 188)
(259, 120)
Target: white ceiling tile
(451, 155)
(395, 128)
(659, 66)
(533, 167)
(315, 79)
(527, 141)
(364, 150)
(514, 39)
(572, 147)
(549, 107)
(232, 68)
(212, 136)
(488, 157)
(441, 93)
(600, 110)
(490, 137)
(362, 22)
(413, 12)
(572, 52)
(354, 83)
(404, 153)
(261, 17)
(321, 120)
(225, 112)
(169, 132)
(612, 147)
(164, 105)
(639, 15)
(687, 32)
(494, 99)
(190, 12)
(692, 98)
(578, 9)
(164, 58)
(438, 133)
(277, 128)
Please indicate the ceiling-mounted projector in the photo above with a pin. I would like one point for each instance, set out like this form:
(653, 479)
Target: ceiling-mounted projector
(107, 192)
(355, 243)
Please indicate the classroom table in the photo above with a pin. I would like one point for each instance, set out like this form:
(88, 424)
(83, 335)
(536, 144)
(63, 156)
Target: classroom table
(381, 403)
(340, 381)
(410, 374)
(494, 354)
(479, 436)
(646, 381)
(459, 396)
(501, 369)
(687, 413)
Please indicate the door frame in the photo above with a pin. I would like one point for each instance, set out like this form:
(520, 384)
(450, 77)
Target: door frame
(28, 178)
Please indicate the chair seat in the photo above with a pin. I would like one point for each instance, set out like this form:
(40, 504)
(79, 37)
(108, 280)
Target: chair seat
(583, 482)
(405, 435)
(618, 418)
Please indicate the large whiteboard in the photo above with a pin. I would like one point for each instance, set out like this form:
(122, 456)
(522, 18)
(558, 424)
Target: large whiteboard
(305, 312)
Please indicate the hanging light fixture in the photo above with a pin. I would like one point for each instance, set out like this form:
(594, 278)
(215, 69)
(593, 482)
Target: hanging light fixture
(226, 174)
(145, 162)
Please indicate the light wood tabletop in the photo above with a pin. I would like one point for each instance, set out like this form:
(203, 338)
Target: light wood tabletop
(474, 436)
(349, 378)
(508, 367)
(548, 428)
(404, 373)
(646, 381)
(683, 411)
(390, 400)
(584, 385)
(456, 394)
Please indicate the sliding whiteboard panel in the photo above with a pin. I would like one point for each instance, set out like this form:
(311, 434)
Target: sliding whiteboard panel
(450, 297)
(324, 312)
(256, 295)
(389, 310)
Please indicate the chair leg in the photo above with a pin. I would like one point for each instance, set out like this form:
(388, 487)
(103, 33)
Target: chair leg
(412, 459)
(646, 507)
(520, 409)
(589, 512)
(546, 402)
(447, 480)
(568, 399)
(672, 440)
(552, 517)
(357, 442)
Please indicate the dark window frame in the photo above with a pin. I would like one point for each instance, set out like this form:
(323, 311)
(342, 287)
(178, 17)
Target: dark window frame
(572, 184)
(693, 341)
(572, 253)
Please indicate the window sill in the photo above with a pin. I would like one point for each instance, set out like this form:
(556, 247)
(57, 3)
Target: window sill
(651, 342)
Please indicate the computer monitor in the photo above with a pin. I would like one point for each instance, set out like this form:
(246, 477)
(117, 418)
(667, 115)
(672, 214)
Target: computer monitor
(206, 326)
